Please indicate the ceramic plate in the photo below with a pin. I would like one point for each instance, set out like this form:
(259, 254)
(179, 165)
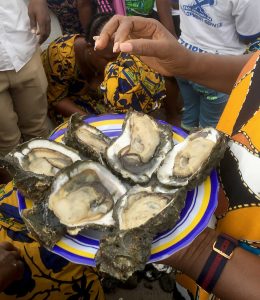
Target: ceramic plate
(200, 206)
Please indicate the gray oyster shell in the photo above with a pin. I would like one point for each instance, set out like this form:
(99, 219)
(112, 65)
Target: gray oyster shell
(83, 195)
(138, 152)
(43, 225)
(34, 163)
(87, 139)
(191, 161)
(139, 215)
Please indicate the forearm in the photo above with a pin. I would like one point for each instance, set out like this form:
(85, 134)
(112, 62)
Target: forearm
(218, 72)
(240, 276)
(85, 12)
(66, 108)
(165, 16)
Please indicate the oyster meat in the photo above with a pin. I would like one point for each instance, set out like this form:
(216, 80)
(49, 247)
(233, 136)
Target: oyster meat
(87, 139)
(33, 165)
(190, 162)
(139, 215)
(83, 196)
(140, 149)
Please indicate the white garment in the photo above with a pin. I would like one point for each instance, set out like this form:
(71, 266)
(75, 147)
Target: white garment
(216, 25)
(17, 43)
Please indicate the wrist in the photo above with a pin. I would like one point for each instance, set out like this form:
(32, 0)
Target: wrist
(196, 254)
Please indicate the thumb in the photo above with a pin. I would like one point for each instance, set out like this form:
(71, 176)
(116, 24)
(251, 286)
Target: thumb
(142, 47)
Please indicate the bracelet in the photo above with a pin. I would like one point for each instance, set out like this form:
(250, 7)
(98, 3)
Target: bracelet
(222, 251)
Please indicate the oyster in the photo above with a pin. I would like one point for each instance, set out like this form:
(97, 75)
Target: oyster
(139, 215)
(140, 149)
(34, 163)
(43, 225)
(190, 162)
(87, 139)
(83, 196)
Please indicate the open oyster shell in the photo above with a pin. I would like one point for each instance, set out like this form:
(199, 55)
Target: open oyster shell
(190, 162)
(139, 215)
(84, 195)
(87, 139)
(33, 165)
(137, 153)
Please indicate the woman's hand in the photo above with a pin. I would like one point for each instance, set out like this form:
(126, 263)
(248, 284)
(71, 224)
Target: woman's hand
(11, 266)
(162, 52)
(145, 37)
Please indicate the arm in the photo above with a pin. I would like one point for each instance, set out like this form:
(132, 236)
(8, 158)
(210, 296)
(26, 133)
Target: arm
(85, 12)
(243, 267)
(165, 15)
(39, 16)
(11, 266)
(66, 107)
(161, 51)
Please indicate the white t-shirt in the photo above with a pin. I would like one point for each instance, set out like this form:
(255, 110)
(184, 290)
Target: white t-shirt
(216, 26)
(17, 43)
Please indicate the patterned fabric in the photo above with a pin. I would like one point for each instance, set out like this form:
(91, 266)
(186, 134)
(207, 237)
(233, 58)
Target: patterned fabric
(46, 275)
(67, 14)
(65, 79)
(238, 212)
(139, 7)
(129, 83)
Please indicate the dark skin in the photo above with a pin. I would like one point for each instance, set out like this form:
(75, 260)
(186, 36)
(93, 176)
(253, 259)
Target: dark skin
(85, 12)
(158, 48)
(11, 266)
(91, 65)
(40, 21)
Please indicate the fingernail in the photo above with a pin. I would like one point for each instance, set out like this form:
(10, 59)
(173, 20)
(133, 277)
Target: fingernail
(126, 47)
(33, 30)
(116, 47)
(96, 37)
(96, 45)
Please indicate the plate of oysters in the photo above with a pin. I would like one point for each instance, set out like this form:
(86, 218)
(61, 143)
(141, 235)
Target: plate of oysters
(117, 191)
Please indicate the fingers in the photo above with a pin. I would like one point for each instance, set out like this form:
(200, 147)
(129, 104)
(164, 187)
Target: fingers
(44, 28)
(33, 23)
(143, 47)
(18, 269)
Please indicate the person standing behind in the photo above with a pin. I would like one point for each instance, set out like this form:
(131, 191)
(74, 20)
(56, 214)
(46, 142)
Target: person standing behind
(219, 27)
(144, 8)
(23, 105)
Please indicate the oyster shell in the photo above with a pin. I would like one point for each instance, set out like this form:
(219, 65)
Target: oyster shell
(33, 165)
(140, 149)
(190, 162)
(139, 215)
(83, 196)
(87, 139)
(43, 225)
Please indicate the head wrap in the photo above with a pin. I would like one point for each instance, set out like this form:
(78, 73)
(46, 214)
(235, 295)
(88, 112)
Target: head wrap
(129, 83)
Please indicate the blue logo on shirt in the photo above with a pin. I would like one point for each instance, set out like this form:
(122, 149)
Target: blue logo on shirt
(196, 10)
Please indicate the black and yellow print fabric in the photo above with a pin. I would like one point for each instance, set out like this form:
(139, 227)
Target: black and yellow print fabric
(129, 83)
(46, 275)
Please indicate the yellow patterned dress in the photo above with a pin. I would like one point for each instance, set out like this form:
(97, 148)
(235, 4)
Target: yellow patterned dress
(238, 212)
(128, 82)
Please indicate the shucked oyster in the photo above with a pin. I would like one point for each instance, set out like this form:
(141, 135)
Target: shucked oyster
(87, 139)
(140, 215)
(139, 150)
(190, 162)
(83, 195)
(34, 163)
